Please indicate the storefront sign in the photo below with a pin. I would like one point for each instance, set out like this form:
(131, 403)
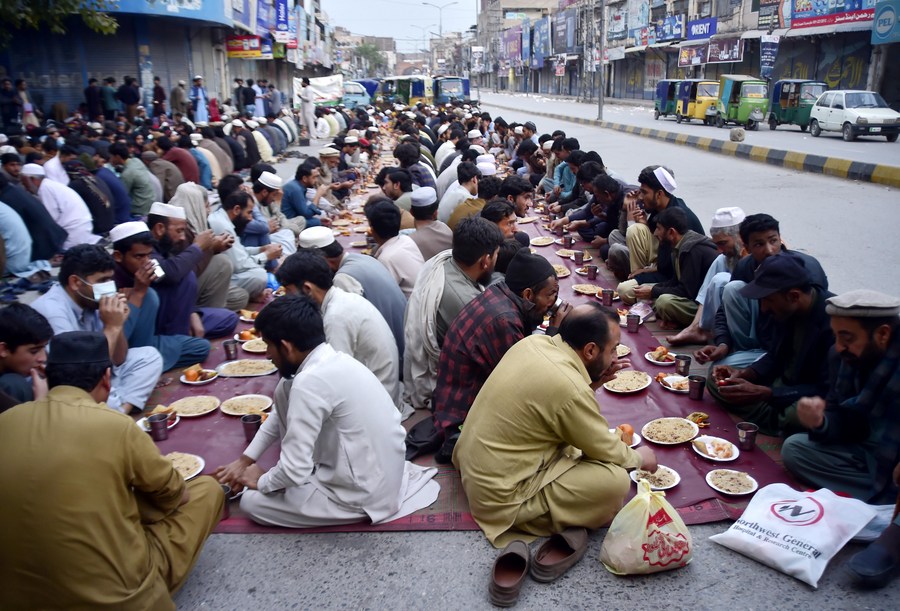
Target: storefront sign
(768, 53)
(526, 43)
(725, 50)
(243, 47)
(617, 24)
(886, 27)
(774, 14)
(695, 55)
(701, 29)
(199, 10)
(670, 28)
(243, 14)
(281, 21)
(814, 13)
(477, 60)
(540, 43)
(559, 32)
(264, 17)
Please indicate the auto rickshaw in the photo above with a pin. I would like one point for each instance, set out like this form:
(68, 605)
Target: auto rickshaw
(742, 100)
(696, 100)
(664, 105)
(406, 90)
(451, 90)
(792, 101)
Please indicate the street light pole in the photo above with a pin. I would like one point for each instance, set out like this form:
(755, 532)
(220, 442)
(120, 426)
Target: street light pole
(602, 20)
(425, 29)
(440, 14)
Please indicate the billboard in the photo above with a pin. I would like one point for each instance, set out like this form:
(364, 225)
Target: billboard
(540, 47)
(816, 13)
(725, 50)
(701, 29)
(886, 27)
(243, 47)
(774, 14)
(618, 23)
(477, 59)
(670, 28)
(695, 55)
(186, 9)
(281, 21)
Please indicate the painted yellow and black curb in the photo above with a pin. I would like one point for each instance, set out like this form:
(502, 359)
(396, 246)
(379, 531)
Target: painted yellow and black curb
(806, 162)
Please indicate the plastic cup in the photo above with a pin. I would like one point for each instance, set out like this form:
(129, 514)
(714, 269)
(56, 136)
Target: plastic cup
(606, 297)
(632, 322)
(230, 346)
(558, 230)
(159, 426)
(592, 273)
(683, 365)
(696, 384)
(747, 435)
(578, 257)
(251, 423)
(568, 241)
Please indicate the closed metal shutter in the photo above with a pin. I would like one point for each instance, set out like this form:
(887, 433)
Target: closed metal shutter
(169, 52)
(114, 55)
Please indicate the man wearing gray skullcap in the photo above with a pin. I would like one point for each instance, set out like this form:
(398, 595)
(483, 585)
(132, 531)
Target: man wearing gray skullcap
(853, 443)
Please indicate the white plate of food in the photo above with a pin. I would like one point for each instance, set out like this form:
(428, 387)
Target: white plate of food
(715, 448)
(661, 356)
(587, 289)
(615, 298)
(340, 223)
(246, 335)
(361, 229)
(191, 407)
(669, 431)
(561, 270)
(565, 253)
(628, 381)
(255, 346)
(358, 244)
(622, 434)
(733, 483)
(622, 351)
(525, 220)
(145, 424)
(664, 478)
(246, 368)
(542, 241)
(673, 383)
(248, 315)
(188, 465)
(245, 404)
(204, 376)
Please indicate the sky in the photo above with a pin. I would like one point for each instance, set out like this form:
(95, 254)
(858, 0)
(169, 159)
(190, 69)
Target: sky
(404, 20)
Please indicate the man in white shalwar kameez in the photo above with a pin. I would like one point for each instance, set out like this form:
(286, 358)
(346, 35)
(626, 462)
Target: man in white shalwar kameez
(342, 444)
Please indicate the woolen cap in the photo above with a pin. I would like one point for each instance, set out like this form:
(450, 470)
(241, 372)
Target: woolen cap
(126, 230)
(270, 180)
(727, 217)
(423, 196)
(530, 125)
(862, 303)
(776, 274)
(168, 210)
(78, 348)
(526, 270)
(316, 237)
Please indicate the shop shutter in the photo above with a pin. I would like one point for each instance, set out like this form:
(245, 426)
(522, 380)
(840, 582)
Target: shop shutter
(169, 52)
(114, 55)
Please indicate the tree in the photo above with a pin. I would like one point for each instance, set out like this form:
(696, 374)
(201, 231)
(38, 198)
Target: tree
(373, 56)
(34, 14)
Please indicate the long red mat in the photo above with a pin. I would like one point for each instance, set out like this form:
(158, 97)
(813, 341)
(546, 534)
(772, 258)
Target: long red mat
(219, 439)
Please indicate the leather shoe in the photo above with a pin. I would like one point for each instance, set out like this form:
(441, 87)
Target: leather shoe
(558, 554)
(873, 567)
(508, 573)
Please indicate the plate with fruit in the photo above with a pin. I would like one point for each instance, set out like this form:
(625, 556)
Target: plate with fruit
(626, 433)
(248, 315)
(246, 335)
(197, 376)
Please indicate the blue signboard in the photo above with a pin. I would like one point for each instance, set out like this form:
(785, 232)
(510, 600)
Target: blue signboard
(192, 9)
(886, 27)
(242, 14)
(264, 18)
(281, 19)
(526, 43)
(541, 47)
(670, 28)
(701, 29)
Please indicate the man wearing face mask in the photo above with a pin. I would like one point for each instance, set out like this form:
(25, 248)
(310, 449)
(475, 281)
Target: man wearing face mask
(248, 261)
(86, 299)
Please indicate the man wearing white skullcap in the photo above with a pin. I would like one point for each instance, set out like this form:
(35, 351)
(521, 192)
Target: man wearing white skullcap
(64, 205)
(282, 230)
(475, 136)
(431, 236)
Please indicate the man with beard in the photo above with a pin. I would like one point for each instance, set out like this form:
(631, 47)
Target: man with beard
(853, 439)
(179, 311)
(766, 392)
(538, 400)
(282, 230)
(341, 456)
(485, 329)
(86, 299)
(249, 262)
(724, 230)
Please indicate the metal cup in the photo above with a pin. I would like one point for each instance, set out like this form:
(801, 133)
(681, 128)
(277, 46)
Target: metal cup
(251, 423)
(747, 435)
(558, 230)
(606, 296)
(632, 322)
(159, 426)
(226, 510)
(592, 274)
(230, 346)
(683, 365)
(579, 257)
(696, 384)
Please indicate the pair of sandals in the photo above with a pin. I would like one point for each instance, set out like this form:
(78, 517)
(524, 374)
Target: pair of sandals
(552, 559)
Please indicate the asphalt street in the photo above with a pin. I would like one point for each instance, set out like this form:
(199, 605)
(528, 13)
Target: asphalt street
(449, 570)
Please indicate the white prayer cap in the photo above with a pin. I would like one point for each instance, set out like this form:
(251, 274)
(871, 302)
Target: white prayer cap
(126, 230)
(252, 124)
(486, 158)
(519, 130)
(474, 133)
(328, 152)
(201, 124)
(665, 179)
(4, 139)
(371, 129)
(197, 77)
(478, 149)
(548, 144)
(352, 132)
(227, 129)
(316, 237)
(443, 128)
(270, 180)
(351, 140)
(7, 149)
(195, 138)
(468, 115)
(262, 120)
(727, 217)
(423, 196)
(466, 106)
(33, 169)
(370, 111)
(181, 82)
(486, 168)
(434, 113)
(168, 210)
(95, 125)
(237, 123)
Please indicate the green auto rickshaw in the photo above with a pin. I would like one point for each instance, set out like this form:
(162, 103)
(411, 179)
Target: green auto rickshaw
(792, 101)
(697, 100)
(666, 97)
(743, 100)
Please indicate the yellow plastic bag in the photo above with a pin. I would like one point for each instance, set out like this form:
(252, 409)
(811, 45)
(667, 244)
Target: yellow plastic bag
(647, 536)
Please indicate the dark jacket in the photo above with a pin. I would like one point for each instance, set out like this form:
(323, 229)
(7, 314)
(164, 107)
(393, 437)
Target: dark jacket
(47, 238)
(695, 253)
(128, 95)
(665, 269)
(93, 98)
(237, 152)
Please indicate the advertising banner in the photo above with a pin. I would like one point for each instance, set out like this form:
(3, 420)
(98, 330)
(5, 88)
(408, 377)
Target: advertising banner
(701, 29)
(725, 50)
(670, 28)
(768, 53)
(571, 27)
(512, 44)
(618, 24)
(886, 27)
(477, 60)
(281, 21)
(265, 20)
(243, 14)
(526, 43)
(265, 49)
(559, 33)
(326, 90)
(774, 14)
(243, 47)
(815, 13)
(695, 55)
(540, 43)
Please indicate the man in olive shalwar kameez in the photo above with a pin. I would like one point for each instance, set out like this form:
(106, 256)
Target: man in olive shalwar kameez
(535, 455)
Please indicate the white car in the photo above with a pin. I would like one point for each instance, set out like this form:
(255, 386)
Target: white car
(854, 113)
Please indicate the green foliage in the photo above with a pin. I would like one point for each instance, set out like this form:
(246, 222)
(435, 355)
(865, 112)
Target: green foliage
(371, 54)
(35, 14)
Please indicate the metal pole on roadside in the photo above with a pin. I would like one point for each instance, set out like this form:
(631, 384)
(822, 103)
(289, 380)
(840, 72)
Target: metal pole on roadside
(602, 68)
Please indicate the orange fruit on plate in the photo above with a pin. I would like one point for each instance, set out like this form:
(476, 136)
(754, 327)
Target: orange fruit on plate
(246, 334)
(192, 375)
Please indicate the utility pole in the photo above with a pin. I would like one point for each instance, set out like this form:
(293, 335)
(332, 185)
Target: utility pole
(602, 6)
(440, 15)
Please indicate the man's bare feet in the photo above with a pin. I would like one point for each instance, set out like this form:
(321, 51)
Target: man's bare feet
(668, 325)
(690, 335)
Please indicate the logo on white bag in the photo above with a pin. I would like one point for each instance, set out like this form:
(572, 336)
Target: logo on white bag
(798, 512)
